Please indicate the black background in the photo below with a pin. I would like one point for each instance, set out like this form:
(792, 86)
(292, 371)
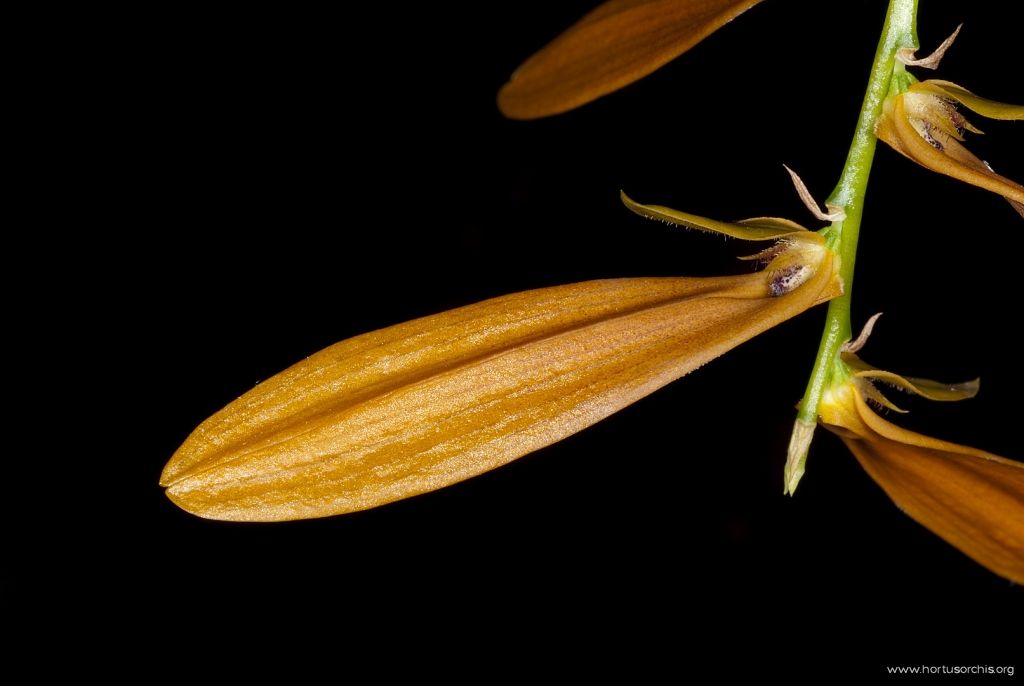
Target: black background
(272, 181)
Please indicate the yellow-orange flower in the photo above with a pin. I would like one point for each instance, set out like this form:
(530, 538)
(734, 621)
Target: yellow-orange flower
(424, 404)
(923, 124)
(972, 499)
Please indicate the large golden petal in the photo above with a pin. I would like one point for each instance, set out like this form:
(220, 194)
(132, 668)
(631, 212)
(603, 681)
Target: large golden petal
(612, 46)
(972, 499)
(428, 403)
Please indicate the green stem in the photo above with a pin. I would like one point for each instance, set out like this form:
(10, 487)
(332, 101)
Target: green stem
(899, 32)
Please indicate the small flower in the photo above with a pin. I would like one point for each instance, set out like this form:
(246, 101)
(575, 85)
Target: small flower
(425, 404)
(614, 45)
(923, 124)
(972, 499)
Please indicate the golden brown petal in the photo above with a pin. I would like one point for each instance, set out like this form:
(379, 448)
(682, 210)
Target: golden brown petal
(972, 499)
(612, 46)
(421, 405)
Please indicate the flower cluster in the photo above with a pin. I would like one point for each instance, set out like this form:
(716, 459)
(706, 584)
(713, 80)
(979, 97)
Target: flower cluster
(418, 406)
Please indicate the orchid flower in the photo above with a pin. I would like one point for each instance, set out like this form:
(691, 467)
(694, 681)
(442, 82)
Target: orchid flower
(923, 124)
(425, 404)
(974, 500)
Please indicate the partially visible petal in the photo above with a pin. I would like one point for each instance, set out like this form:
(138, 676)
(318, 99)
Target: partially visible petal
(972, 499)
(757, 229)
(871, 393)
(926, 388)
(425, 404)
(612, 46)
(937, 150)
(932, 390)
(983, 106)
(1019, 206)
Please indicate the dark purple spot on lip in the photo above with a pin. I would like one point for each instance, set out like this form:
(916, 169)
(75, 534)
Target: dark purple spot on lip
(930, 139)
(785, 280)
